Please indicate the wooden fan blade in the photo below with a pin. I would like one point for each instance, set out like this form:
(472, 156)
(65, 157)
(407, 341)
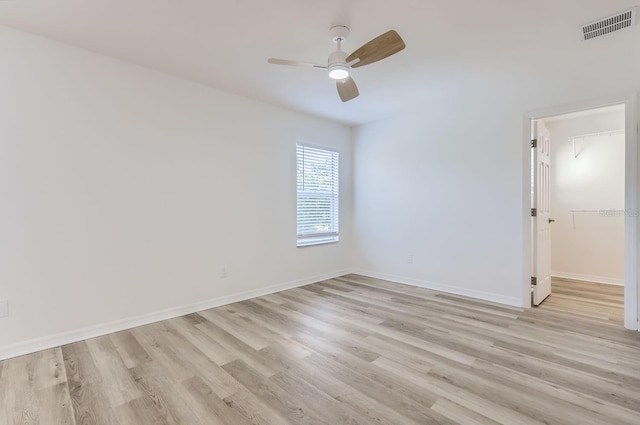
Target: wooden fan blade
(295, 63)
(377, 49)
(347, 89)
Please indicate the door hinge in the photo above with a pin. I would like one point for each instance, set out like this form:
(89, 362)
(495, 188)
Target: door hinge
(534, 143)
(534, 281)
(534, 212)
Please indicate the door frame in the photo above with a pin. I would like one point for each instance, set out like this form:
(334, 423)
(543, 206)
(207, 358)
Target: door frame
(630, 101)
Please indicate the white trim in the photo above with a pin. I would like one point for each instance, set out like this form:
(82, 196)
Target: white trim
(318, 240)
(527, 197)
(631, 220)
(589, 278)
(632, 186)
(39, 344)
(456, 290)
(316, 146)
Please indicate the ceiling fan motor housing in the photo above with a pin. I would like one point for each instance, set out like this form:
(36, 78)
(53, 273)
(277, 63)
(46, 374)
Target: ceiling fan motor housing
(338, 58)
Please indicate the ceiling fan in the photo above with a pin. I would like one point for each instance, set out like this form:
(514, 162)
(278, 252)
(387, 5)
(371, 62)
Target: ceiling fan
(339, 64)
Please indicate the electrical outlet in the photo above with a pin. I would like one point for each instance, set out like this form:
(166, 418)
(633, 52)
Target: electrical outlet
(224, 273)
(410, 259)
(4, 307)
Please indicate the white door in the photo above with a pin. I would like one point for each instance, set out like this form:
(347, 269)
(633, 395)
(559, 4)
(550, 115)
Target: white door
(541, 288)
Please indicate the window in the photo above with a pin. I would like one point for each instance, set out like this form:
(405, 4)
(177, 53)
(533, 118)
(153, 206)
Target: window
(317, 195)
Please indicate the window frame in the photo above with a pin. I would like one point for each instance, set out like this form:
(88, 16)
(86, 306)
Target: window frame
(333, 235)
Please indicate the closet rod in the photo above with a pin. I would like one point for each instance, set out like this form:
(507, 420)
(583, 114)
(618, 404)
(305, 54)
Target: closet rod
(572, 139)
(601, 212)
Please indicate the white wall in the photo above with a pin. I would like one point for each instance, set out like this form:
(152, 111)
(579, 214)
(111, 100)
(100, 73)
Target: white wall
(124, 192)
(593, 250)
(445, 181)
(429, 187)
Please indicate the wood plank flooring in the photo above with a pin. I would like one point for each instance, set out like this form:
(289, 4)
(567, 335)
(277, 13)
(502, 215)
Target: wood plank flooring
(351, 350)
(587, 299)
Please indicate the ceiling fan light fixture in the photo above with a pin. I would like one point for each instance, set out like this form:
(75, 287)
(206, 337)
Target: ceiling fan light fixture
(338, 72)
(339, 64)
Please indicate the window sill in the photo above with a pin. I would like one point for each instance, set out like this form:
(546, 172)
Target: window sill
(317, 241)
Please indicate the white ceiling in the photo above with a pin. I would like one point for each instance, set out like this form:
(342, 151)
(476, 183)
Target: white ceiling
(587, 113)
(226, 44)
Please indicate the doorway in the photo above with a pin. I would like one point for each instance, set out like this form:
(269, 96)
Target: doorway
(580, 210)
(627, 212)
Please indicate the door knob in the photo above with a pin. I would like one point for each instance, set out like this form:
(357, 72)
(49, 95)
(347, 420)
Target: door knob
(551, 221)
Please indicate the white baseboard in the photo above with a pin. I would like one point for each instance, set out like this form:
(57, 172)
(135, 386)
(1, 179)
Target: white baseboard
(481, 295)
(44, 343)
(589, 278)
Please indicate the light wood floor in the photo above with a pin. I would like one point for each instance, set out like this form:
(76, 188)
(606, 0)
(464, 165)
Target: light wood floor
(352, 350)
(587, 299)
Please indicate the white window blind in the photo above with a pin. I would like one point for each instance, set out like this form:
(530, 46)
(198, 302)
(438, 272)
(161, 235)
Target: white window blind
(317, 195)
